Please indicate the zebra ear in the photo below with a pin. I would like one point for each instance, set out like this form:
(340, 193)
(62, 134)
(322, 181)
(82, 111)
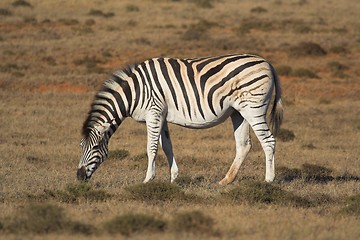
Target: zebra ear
(102, 128)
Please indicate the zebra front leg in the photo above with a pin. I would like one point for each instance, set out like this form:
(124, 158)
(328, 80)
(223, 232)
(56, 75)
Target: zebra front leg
(153, 124)
(165, 142)
(243, 145)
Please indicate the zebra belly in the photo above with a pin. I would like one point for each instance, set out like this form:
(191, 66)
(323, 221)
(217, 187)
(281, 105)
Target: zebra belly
(198, 122)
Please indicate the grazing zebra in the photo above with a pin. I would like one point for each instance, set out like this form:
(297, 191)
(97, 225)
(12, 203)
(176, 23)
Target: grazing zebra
(194, 93)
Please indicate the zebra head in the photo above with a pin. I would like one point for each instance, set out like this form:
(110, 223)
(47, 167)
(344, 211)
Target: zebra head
(94, 148)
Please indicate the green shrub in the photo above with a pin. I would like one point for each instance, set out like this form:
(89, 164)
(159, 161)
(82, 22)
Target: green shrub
(39, 219)
(44, 219)
(155, 191)
(128, 224)
(260, 192)
(74, 193)
(193, 222)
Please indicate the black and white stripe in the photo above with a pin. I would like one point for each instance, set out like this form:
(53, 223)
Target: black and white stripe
(195, 93)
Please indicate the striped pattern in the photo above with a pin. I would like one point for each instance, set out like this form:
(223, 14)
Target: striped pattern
(195, 93)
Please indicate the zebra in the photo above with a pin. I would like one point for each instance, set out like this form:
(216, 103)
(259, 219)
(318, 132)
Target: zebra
(194, 93)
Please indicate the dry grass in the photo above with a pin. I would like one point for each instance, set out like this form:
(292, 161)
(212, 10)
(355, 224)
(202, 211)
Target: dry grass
(52, 62)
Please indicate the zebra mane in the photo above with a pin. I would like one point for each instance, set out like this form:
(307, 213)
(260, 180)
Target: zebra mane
(118, 77)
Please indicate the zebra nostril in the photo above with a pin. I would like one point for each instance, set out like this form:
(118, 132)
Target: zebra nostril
(81, 174)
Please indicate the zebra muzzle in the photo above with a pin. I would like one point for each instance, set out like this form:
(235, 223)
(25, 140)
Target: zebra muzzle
(81, 174)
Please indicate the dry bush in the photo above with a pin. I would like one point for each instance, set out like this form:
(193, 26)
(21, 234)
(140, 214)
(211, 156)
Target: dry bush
(285, 135)
(287, 174)
(302, 28)
(74, 193)
(119, 154)
(99, 13)
(307, 49)
(352, 206)
(90, 22)
(260, 192)
(186, 181)
(44, 219)
(69, 21)
(283, 70)
(198, 30)
(258, 10)
(249, 24)
(5, 12)
(310, 146)
(304, 73)
(21, 3)
(132, 8)
(339, 50)
(139, 157)
(193, 222)
(316, 173)
(129, 224)
(91, 63)
(203, 3)
(346, 177)
(312, 173)
(337, 69)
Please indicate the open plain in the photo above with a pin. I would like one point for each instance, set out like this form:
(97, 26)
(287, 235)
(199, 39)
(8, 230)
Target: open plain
(54, 55)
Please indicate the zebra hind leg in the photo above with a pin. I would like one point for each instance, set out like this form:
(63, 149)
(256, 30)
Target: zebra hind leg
(165, 142)
(257, 120)
(243, 146)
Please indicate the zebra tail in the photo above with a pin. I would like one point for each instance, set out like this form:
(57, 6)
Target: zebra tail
(277, 111)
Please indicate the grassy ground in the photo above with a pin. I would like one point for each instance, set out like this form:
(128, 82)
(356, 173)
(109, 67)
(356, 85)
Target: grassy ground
(54, 55)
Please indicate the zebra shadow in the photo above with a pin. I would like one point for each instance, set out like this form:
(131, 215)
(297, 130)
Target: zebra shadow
(312, 173)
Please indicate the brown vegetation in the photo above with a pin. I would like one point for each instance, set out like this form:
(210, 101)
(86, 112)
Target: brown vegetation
(53, 58)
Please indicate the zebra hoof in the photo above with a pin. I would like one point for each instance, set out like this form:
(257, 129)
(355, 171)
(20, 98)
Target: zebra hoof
(224, 181)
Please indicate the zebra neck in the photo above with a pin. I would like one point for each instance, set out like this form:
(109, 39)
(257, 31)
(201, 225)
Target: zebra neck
(112, 129)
